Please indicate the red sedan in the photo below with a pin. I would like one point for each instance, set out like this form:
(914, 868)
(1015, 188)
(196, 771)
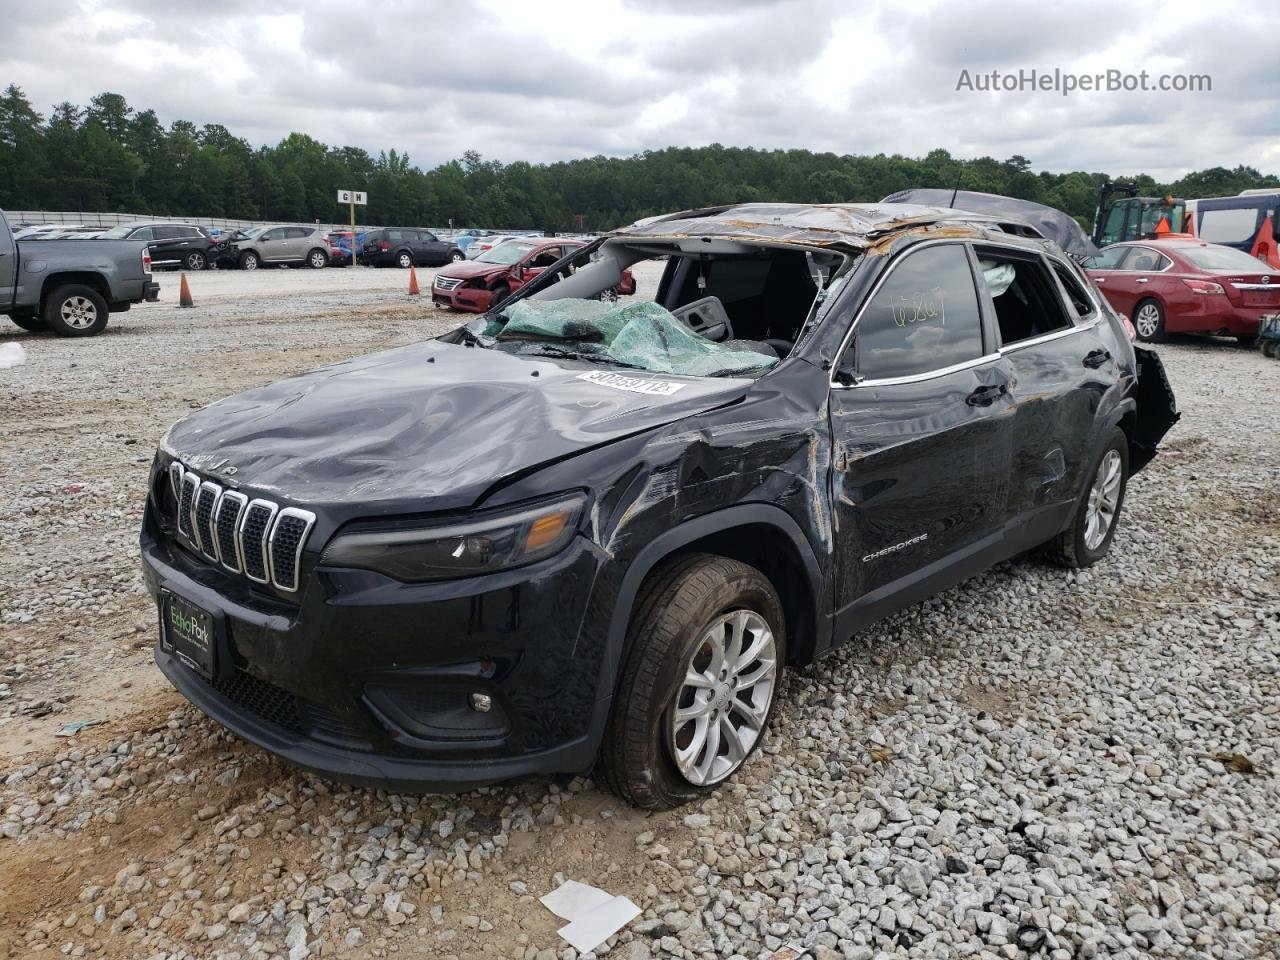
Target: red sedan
(1186, 286)
(474, 285)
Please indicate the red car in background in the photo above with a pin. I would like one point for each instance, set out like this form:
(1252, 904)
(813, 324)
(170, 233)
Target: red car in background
(1186, 286)
(475, 285)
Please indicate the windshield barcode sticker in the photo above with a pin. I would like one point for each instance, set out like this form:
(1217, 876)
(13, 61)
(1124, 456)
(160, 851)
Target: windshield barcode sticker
(661, 388)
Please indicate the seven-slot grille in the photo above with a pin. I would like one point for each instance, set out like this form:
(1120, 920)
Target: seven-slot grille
(254, 537)
(446, 283)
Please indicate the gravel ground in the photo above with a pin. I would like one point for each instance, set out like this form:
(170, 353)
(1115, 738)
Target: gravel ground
(1036, 763)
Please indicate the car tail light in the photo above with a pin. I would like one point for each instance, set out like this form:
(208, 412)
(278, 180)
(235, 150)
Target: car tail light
(384, 246)
(1204, 287)
(146, 260)
(1129, 330)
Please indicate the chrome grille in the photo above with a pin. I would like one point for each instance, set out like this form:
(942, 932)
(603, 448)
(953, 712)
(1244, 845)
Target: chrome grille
(202, 518)
(226, 520)
(446, 283)
(254, 529)
(253, 537)
(186, 504)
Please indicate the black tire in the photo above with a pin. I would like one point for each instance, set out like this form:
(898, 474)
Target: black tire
(1149, 315)
(404, 260)
(1270, 348)
(456, 256)
(195, 260)
(29, 321)
(75, 310)
(250, 260)
(672, 615)
(1071, 548)
(317, 259)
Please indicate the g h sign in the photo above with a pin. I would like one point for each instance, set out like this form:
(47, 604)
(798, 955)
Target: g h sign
(353, 196)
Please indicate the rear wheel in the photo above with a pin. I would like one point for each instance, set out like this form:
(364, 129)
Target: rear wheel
(404, 259)
(1148, 321)
(316, 259)
(75, 311)
(195, 260)
(249, 260)
(1093, 526)
(704, 661)
(1270, 348)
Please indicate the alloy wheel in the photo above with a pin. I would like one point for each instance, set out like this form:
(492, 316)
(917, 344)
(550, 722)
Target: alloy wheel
(1148, 320)
(720, 710)
(78, 312)
(1104, 498)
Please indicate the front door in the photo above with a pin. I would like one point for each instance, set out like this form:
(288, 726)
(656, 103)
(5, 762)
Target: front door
(921, 424)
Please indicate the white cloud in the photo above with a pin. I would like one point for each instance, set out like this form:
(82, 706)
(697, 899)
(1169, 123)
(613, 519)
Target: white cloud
(561, 79)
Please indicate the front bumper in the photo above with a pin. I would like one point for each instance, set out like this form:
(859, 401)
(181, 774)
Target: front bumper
(368, 680)
(470, 299)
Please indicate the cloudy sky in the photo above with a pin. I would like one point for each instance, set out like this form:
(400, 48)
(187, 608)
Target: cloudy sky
(552, 80)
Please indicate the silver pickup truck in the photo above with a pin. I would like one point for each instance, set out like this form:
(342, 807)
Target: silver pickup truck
(70, 286)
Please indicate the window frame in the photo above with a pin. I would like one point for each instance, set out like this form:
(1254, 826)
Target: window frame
(1074, 321)
(989, 352)
(1133, 252)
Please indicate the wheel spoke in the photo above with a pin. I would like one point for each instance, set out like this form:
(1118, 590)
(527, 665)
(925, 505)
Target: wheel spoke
(759, 640)
(712, 751)
(699, 708)
(698, 680)
(735, 748)
(752, 714)
(745, 681)
(686, 757)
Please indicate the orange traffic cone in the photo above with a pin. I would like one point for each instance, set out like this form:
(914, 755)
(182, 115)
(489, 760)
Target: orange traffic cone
(413, 282)
(184, 293)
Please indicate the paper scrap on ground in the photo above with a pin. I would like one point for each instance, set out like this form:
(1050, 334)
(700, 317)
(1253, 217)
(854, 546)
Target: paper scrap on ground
(12, 355)
(594, 915)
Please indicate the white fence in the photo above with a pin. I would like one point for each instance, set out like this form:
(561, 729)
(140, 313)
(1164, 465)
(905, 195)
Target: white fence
(106, 220)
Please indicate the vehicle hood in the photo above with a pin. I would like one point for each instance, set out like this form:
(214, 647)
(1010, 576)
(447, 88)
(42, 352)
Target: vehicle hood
(426, 427)
(470, 269)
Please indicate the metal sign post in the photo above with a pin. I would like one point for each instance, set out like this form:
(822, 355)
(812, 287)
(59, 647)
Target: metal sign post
(351, 198)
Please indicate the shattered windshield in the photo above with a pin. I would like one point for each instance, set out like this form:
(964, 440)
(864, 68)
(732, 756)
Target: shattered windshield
(508, 252)
(699, 309)
(640, 335)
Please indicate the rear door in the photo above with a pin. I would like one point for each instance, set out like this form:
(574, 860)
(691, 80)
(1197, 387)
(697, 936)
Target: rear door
(921, 426)
(1056, 346)
(299, 242)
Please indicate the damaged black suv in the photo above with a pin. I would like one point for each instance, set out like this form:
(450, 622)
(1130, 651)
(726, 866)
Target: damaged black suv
(581, 531)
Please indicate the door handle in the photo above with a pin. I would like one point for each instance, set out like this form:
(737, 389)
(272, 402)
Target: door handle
(1142, 279)
(1096, 358)
(986, 395)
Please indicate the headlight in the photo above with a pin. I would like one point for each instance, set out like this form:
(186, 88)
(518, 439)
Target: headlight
(463, 548)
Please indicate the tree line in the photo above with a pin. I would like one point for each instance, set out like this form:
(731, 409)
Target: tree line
(110, 157)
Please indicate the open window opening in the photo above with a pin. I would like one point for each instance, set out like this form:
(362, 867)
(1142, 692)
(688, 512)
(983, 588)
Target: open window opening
(702, 307)
(1025, 295)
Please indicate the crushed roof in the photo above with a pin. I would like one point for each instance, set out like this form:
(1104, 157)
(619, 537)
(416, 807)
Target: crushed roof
(817, 224)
